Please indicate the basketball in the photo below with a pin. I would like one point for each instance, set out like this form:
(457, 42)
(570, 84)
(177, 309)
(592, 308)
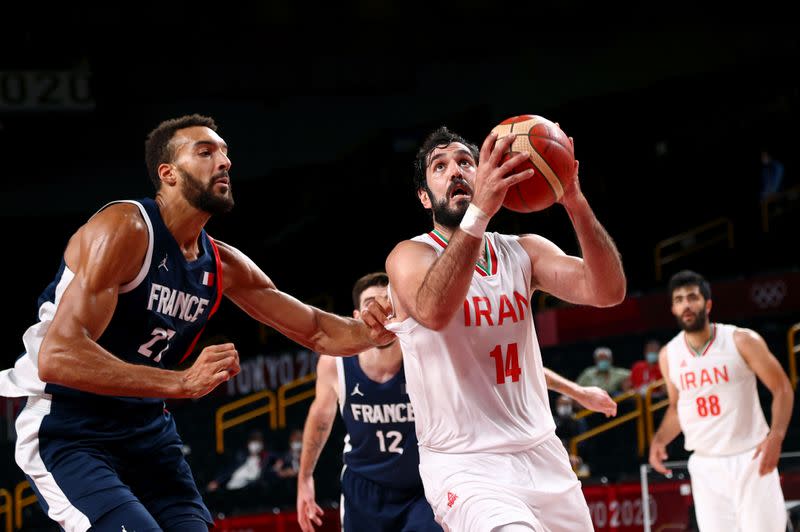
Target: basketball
(551, 155)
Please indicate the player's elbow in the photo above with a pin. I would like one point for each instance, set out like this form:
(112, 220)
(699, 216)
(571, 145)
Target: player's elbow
(47, 365)
(611, 295)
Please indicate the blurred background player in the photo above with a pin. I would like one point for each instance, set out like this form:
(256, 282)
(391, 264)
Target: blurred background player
(711, 371)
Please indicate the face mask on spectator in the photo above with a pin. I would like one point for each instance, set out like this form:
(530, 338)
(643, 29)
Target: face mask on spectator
(652, 357)
(564, 410)
(296, 445)
(604, 364)
(255, 447)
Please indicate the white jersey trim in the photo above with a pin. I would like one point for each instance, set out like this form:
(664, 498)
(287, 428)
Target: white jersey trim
(30, 461)
(341, 390)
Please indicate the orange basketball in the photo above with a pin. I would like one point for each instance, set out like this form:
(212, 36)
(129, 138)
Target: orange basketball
(550, 155)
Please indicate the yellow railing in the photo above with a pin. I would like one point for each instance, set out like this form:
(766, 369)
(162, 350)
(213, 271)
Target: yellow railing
(223, 424)
(793, 349)
(791, 194)
(21, 502)
(6, 508)
(275, 407)
(636, 414)
(649, 407)
(689, 242)
(284, 401)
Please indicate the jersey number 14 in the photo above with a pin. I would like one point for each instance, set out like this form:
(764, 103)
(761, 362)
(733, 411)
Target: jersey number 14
(511, 366)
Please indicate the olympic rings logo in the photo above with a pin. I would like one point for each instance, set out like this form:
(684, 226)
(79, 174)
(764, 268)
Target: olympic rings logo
(769, 294)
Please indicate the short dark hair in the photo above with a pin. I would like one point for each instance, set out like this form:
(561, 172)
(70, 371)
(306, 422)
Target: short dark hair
(371, 279)
(157, 147)
(440, 138)
(689, 278)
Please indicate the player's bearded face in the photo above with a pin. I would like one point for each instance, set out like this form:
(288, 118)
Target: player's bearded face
(693, 321)
(443, 213)
(204, 197)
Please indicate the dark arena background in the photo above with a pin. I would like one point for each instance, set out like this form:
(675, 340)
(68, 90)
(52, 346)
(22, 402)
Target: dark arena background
(323, 108)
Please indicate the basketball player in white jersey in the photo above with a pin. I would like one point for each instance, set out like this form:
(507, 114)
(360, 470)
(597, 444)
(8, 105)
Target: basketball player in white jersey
(489, 457)
(710, 370)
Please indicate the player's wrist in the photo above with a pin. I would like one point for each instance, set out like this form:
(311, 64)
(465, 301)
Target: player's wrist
(474, 222)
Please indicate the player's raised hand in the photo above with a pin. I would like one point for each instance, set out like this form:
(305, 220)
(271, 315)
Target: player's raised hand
(658, 453)
(215, 365)
(494, 177)
(376, 315)
(597, 400)
(308, 511)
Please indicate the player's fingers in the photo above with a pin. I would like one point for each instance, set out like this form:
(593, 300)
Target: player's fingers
(488, 145)
(513, 179)
(218, 348)
(758, 451)
(502, 147)
(217, 355)
(512, 163)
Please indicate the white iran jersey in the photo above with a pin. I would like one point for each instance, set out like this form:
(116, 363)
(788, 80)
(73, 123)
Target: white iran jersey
(478, 384)
(718, 407)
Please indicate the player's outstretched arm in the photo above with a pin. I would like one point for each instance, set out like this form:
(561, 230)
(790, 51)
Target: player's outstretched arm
(596, 278)
(325, 333)
(756, 353)
(316, 432)
(590, 397)
(670, 426)
(104, 254)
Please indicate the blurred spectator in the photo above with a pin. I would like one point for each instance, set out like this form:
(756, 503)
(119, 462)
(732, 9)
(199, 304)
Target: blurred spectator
(646, 371)
(604, 374)
(288, 465)
(771, 175)
(249, 468)
(567, 427)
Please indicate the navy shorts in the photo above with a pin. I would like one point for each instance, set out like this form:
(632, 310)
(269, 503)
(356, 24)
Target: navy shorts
(85, 462)
(370, 506)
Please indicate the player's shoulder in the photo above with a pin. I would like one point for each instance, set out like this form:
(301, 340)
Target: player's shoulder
(121, 216)
(744, 337)
(411, 248)
(116, 225)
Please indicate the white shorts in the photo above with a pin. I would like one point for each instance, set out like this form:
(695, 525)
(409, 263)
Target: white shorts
(477, 492)
(730, 495)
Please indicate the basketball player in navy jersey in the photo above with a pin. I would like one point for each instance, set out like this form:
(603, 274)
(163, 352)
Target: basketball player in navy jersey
(135, 288)
(381, 486)
(489, 456)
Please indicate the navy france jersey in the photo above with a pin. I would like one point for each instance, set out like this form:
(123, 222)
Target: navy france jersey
(381, 442)
(157, 320)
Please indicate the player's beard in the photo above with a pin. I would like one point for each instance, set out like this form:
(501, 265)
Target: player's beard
(203, 197)
(698, 324)
(445, 215)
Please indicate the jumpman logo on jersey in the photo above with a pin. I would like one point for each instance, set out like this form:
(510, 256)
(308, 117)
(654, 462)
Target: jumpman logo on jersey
(356, 391)
(163, 263)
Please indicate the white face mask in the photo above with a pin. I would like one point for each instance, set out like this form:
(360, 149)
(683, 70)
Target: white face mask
(564, 410)
(296, 445)
(255, 447)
